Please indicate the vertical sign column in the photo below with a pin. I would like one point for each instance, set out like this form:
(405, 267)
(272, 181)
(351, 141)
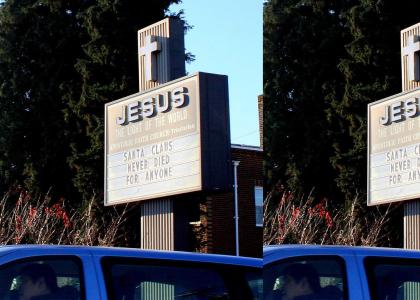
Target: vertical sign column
(161, 53)
(161, 59)
(410, 65)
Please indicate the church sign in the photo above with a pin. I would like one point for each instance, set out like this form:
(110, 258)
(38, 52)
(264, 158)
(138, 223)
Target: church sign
(394, 148)
(168, 140)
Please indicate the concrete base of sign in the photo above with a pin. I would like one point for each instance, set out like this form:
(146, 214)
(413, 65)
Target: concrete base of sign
(164, 224)
(412, 224)
(157, 225)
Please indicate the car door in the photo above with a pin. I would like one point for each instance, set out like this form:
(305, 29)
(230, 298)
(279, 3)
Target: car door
(67, 273)
(392, 278)
(132, 278)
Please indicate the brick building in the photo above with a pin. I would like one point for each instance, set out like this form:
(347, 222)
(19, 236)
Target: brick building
(217, 211)
(220, 212)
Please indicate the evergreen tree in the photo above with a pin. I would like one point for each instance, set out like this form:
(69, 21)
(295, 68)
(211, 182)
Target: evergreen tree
(60, 62)
(303, 43)
(38, 50)
(324, 61)
(372, 71)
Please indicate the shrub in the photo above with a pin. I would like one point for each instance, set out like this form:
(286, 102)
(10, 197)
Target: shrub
(288, 220)
(41, 220)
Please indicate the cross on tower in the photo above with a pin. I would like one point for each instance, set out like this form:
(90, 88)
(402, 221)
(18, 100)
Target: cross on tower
(413, 57)
(151, 45)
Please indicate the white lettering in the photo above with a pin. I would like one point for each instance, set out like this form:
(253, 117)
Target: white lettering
(400, 111)
(151, 106)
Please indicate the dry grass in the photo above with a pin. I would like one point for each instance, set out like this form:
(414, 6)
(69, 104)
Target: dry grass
(288, 221)
(43, 221)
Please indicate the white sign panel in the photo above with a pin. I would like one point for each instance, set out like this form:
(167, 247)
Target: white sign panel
(152, 143)
(394, 148)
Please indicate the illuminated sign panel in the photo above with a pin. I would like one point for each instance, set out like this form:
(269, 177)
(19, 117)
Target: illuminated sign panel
(154, 140)
(394, 148)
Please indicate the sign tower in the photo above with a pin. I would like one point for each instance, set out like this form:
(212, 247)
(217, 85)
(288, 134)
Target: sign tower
(168, 142)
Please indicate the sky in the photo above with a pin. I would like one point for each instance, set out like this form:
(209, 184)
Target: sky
(227, 39)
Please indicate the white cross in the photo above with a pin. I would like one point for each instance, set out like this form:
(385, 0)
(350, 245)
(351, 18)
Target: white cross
(150, 45)
(413, 58)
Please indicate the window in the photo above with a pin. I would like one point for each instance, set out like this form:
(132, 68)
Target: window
(259, 196)
(140, 280)
(393, 278)
(320, 277)
(58, 278)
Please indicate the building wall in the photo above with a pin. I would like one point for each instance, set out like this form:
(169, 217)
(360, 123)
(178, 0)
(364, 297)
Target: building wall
(221, 211)
(250, 174)
(220, 224)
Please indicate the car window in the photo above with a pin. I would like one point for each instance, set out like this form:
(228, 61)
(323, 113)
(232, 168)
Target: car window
(42, 278)
(255, 282)
(140, 280)
(306, 278)
(393, 279)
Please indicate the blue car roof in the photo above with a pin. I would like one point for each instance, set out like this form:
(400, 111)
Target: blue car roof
(274, 253)
(35, 250)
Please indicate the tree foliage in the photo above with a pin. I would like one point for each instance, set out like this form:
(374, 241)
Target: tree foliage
(38, 50)
(324, 61)
(372, 71)
(60, 62)
(303, 43)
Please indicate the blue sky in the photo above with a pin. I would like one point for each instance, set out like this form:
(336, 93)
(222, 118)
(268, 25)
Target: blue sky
(227, 39)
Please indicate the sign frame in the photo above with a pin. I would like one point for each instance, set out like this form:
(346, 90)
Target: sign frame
(214, 139)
